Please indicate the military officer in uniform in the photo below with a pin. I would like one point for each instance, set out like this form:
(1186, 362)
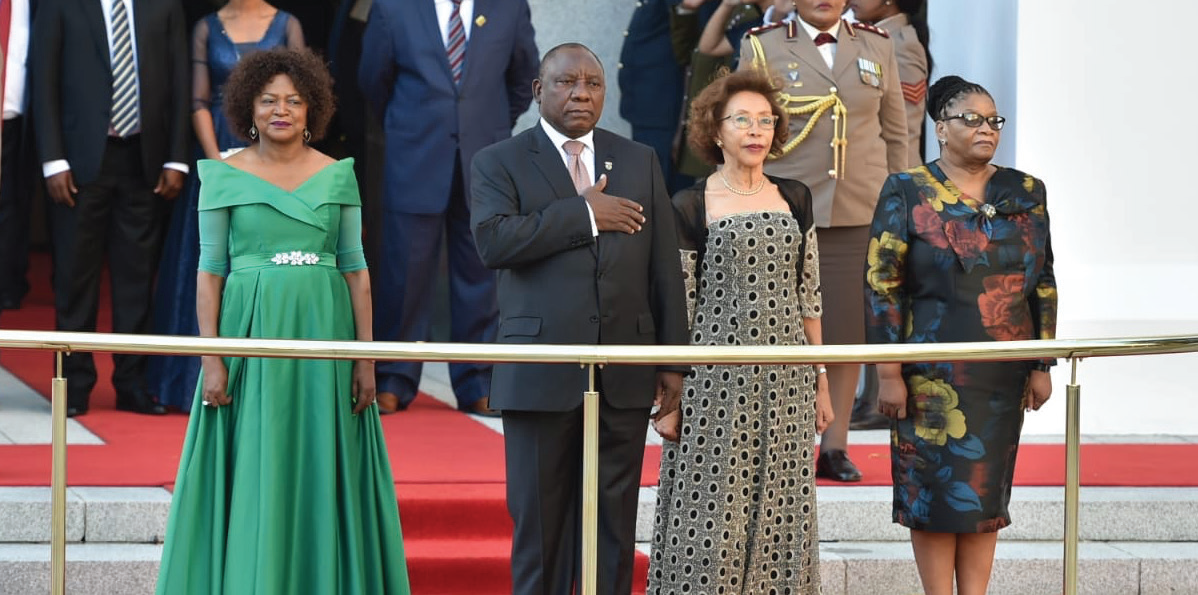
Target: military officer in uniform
(848, 131)
(906, 23)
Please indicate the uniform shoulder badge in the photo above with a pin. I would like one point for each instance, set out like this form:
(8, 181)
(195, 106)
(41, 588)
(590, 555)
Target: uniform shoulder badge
(764, 28)
(871, 29)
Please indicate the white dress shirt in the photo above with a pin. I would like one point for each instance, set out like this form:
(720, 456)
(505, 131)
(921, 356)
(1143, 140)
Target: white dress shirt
(14, 60)
(58, 166)
(828, 50)
(587, 157)
(444, 8)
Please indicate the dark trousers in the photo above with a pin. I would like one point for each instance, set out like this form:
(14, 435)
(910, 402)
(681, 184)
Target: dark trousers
(404, 283)
(119, 215)
(544, 498)
(16, 199)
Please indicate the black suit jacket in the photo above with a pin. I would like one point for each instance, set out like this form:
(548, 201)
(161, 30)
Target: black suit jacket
(558, 284)
(71, 76)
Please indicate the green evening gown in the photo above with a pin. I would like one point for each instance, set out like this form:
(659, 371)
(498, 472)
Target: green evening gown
(285, 490)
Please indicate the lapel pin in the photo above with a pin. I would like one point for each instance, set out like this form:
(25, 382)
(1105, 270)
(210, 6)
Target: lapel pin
(480, 21)
(607, 165)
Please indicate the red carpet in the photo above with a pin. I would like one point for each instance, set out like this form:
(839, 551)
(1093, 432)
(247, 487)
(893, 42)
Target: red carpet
(449, 470)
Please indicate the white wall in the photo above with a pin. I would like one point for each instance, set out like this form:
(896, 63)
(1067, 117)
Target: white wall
(1102, 96)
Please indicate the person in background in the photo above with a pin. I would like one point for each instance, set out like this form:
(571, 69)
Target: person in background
(959, 250)
(577, 222)
(749, 259)
(848, 130)
(17, 156)
(112, 130)
(651, 84)
(906, 22)
(219, 41)
(284, 485)
(442, 93)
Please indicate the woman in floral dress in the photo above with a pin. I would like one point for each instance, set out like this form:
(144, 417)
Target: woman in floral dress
(959, 251)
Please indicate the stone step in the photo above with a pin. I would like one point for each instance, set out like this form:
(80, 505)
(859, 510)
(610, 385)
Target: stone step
(859, 568)
(863, 513)
(854, 513)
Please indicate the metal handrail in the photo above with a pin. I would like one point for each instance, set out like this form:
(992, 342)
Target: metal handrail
(588, 356)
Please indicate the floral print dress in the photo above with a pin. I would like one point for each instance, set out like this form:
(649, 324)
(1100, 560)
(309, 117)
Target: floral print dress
(945, 267)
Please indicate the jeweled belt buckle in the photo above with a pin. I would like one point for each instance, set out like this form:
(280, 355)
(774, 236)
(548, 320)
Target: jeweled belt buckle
(295, 258)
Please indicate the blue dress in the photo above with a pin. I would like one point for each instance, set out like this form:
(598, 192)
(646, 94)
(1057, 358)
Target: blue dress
(173, 378)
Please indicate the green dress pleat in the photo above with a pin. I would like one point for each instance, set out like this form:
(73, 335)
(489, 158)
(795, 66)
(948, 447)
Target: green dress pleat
(284, 490)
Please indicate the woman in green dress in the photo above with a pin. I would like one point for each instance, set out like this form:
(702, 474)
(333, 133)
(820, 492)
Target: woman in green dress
(284, 484)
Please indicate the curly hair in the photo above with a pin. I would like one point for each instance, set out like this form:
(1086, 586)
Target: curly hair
(305, 69)
(707, 111)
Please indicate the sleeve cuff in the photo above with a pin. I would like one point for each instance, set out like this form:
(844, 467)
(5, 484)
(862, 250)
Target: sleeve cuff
(52, 168)
(177, 166)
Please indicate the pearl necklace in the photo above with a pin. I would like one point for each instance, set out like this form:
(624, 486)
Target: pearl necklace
(760, 185)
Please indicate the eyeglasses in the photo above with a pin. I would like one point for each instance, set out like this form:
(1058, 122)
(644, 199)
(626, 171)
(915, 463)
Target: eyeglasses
(744, 122)
(975, 120)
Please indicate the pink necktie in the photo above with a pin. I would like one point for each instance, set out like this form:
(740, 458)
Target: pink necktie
(578, 170)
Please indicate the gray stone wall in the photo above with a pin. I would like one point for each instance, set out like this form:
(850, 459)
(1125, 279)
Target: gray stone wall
(597, 24)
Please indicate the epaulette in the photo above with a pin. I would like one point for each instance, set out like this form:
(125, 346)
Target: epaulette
(764, 28)
(871, 29)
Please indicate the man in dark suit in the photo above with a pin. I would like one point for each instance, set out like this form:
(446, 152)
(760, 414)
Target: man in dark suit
(581, 260)
(110, 86)
(16, 156)
(651, 84)
(448, 77)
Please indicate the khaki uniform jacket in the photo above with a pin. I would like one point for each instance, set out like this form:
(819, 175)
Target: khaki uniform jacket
(877, 119)
(913, 73)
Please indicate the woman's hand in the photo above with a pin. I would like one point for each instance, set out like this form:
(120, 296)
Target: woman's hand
(1039, 388)
(824, 415)
(892, 397)
(364, 387)
(216, 382)
(669, 425)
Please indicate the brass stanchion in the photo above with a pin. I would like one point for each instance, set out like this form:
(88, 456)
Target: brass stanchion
(1072, 475)
(590, 485)
(58, 482)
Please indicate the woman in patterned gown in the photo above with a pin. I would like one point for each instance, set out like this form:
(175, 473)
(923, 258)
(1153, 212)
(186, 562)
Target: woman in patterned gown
(284, 484)
(736, 500)
(959, 251)
(219, 40)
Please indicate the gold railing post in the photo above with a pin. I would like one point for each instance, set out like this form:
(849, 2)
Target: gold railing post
(1072, 475)
(58, 482)
(590, 485)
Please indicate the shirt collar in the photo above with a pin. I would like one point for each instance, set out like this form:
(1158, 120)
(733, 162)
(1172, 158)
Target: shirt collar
(812, 31)
(558, 139)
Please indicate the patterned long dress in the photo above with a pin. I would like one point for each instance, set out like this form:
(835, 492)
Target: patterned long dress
(946, 267)
(736, 501)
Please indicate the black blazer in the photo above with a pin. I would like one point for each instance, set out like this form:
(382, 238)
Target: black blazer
(558, 284)
(71, 76)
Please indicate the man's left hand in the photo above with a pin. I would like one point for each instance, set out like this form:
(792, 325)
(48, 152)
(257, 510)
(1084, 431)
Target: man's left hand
(170, 182)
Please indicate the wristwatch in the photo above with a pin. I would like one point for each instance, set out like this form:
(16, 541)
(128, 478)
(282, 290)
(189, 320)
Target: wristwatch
(1042, 367)
(821, 370)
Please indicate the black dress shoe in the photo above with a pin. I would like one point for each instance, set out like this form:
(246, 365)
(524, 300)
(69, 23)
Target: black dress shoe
(482, 408)
(834, 464)
(74, 411)
(140, 403)
(9, 302)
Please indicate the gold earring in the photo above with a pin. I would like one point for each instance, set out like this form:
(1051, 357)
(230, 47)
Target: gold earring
(307, 135)
(253, 132)
(719, 143)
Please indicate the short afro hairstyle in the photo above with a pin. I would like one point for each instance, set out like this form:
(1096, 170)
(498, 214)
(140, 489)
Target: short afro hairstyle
(708, 108)
(255, 70)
